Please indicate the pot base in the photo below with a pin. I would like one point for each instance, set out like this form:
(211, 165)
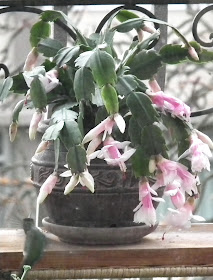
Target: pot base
(98, 236)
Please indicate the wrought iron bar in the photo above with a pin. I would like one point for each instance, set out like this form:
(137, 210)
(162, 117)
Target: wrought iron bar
(37, 11)
(96, 2)
(128, 7)
(195, 27)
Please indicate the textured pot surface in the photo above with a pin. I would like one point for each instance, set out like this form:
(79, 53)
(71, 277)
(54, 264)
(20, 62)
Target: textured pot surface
(111, 205)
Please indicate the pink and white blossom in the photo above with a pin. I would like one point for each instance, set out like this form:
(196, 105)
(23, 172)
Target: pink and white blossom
(181, 218)
(145, 211)
(168, 103)
(171, 171)
(176, 194)
(47, 187)
(112, 155)
(198, 153)
(49, 80)
(36, 118)
(105, 127)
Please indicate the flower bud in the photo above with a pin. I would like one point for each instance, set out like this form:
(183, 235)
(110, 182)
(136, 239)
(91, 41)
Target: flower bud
(47, 187)
(148, 29)
(31, 60)
(13, 131)
(204, 138)
(42, 146)
(192, 52)
(34, 124)
(152, 165)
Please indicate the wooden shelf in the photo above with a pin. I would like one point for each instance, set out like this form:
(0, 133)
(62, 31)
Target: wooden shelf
(190, 251)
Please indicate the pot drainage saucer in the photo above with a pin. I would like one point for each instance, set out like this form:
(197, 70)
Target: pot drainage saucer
(98, 235)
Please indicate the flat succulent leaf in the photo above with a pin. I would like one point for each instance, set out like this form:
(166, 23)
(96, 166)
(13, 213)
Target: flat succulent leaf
(141, 108)
(134, 131)
(125, 15)
(19, 84)
(140, 162)
(128, 25)
(38, 94)
(97, 98)
(48, 65)
(125, 84)
(101, 115)
(51, 15)
(76, 159)
(17, 109)
(64, 115)
(173, 54)
(141, 86)
(5, 87)
(178, 129)
(83, 59)
(66, 77)
(103, 67)
(145, 64)
(84, 85)
(53, 131)
(205, 56)
(70, 134)
(39, 30)
(49, 47)
(110, 98)
(179, 132)
(65, 55)
(81, 39)
(153, 142)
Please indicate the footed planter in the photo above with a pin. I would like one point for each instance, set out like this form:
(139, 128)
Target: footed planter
(105, 217)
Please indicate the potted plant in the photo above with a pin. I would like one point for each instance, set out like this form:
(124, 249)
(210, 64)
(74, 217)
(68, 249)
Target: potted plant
(105, 107)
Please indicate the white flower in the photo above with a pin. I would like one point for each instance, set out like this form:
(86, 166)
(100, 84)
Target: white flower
(84, 178)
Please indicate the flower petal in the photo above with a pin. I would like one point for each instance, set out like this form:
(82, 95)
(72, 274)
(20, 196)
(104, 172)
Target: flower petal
(120, 122)
(66, 173)
(87, 180)
(72, 183)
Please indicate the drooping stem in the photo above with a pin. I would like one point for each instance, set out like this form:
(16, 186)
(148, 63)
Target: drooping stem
(37, 213)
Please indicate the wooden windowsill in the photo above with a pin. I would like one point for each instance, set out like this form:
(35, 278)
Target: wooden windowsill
(190, 251)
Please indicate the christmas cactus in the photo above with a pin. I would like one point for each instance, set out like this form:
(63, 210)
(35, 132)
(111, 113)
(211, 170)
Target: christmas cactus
(111, 107)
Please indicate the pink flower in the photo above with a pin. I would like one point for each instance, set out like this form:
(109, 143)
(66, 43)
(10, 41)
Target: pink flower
(145, 211)
(112, 155)
(171, 171)
(36, 118)
(181, 218)
(105, 127)
(47, 187)
(176, 193)
(168, 103)
(198, 153)
(31, 60)
(49, 79)
(204, 138)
